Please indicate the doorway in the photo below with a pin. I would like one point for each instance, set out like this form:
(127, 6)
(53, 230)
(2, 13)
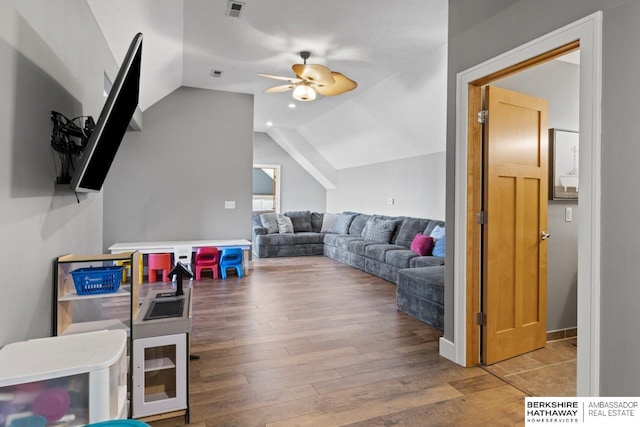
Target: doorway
(461, 341)
(266, 188)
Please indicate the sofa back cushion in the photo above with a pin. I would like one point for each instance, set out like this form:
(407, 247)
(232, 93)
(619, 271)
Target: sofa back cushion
(316, 221)
(409, 228)
(358, 223)
(301, 220)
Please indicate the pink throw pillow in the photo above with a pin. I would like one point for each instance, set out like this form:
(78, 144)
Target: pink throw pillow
(422, 244)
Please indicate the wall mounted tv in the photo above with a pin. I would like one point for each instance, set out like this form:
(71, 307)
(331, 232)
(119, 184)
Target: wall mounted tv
(121, 103)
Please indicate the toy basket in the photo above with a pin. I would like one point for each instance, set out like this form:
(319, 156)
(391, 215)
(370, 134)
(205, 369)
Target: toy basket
(97, 280)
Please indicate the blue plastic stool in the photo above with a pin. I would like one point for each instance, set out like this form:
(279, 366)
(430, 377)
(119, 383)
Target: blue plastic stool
(230, 258)
(119, 423)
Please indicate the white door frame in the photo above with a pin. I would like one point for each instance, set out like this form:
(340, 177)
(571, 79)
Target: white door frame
(589, 32)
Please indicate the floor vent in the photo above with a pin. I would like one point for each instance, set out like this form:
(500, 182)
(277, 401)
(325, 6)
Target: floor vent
(234, 9)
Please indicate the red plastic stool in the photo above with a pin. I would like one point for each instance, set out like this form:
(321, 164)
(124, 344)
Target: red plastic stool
(207, 259)
(159, 262)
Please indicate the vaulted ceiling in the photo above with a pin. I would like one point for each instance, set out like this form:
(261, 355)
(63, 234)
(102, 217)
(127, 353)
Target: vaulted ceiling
(395, 50)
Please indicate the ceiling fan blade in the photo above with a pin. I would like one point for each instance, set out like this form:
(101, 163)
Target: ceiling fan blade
(342, 84)
(281, 88)
(286, 79)
(314, 73)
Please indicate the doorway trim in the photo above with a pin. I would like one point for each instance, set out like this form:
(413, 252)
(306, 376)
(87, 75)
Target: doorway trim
(588, 32)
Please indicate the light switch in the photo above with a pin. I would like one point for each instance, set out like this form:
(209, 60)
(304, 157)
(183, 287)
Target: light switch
(568, 214)
(390, 201)
(229, 205)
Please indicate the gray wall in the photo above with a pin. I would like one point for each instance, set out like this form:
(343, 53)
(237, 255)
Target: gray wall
(474, 39)
(300, 191)
(52, 57)
(416, 185)
(557, 82)
(171, 180)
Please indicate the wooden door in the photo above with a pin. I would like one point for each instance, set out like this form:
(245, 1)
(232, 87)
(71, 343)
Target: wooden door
(514, 239)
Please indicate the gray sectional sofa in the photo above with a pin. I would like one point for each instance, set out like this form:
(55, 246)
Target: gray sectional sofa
(377, 244)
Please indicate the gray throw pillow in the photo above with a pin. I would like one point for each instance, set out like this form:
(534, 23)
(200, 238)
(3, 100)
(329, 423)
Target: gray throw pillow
(270, 222)
(284, 224)
(301, 220)
(328, 221)
(379, 230)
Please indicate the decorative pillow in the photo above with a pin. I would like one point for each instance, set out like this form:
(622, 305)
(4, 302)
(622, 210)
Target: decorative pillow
(438, 237)
(284, 224)
(422, 244)
(379, 230)
(270, 222)
(342, 223)
(437, 232)
(328, 221)
(301, 220)
(438, 247)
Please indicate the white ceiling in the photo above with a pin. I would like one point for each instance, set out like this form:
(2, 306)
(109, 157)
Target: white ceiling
(395, 50)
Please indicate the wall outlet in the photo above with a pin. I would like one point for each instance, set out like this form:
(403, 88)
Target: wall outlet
(229, 205)
(568, 214)
(390, 201)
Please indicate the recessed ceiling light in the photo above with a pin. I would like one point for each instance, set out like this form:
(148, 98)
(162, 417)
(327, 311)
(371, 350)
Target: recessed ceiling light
(269, 123)
(292, 105)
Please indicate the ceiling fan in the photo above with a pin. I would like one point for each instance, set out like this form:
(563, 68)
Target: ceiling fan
(312, 79)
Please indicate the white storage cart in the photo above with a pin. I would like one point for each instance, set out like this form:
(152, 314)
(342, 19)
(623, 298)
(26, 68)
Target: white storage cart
(76, 379)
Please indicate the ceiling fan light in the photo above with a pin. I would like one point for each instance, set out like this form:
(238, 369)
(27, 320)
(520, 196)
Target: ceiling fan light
(304, 93)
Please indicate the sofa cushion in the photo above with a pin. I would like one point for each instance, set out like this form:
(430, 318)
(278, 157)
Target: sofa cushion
(330, 239)
(288, 239)
(342, 242)
(400, 258)
(432, 225)
(358, 246)
(378, 251)
(270, 222)
(422, 244)
(378, 230)
(301, 220)
(284, 224)
(316, 221)
(408, 229)
(358, 223)
(426, 261)
(424, 282)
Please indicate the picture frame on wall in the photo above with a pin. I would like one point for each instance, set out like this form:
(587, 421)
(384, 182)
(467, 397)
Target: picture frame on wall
(564, 149)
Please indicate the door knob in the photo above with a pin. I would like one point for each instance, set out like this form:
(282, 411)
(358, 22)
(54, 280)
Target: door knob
(544, 235)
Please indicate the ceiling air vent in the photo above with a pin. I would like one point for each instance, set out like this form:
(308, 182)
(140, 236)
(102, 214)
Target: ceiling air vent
(234, 9)
(216, 73)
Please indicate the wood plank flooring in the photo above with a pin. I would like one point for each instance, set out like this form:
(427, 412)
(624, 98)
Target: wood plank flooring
(308, 341)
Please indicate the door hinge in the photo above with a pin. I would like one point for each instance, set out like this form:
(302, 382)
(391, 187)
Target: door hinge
(481, 217)
(481, 319)
(483, 116)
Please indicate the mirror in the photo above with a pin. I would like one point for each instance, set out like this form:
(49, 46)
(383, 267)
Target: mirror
(266, 188)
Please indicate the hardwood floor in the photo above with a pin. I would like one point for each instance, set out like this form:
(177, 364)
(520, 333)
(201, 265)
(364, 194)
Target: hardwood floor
(308, 341)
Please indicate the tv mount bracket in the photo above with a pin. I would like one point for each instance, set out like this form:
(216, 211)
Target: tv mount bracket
(70, 140)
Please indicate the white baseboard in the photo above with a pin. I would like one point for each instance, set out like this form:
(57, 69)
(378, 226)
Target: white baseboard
(448, 349)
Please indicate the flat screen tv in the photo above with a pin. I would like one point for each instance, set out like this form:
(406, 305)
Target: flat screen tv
(112, 123)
